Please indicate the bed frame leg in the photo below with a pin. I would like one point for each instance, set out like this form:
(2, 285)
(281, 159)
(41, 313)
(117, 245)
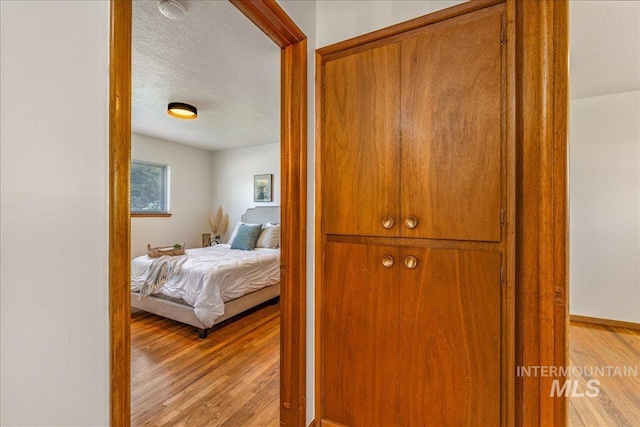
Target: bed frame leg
(202, 333)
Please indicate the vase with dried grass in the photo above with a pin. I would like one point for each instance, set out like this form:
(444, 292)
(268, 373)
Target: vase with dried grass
(219, 224)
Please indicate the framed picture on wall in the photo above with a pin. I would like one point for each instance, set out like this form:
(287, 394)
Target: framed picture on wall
(262, 185)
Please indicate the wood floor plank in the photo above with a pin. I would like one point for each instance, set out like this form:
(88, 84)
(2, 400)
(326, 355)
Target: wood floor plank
(231, 378)
(596, 346)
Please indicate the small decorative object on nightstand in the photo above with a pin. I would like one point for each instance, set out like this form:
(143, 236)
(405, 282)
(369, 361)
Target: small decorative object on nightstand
(206, 239)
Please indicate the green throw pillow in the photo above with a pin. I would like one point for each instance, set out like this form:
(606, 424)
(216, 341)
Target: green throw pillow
(247, 237)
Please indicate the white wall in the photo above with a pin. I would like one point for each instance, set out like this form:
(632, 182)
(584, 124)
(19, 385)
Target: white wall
(232, 174)
(344, 19)
(190, 195)
(605, 206)
(54, 213)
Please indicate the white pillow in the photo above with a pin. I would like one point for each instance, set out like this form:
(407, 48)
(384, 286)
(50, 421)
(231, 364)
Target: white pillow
(269, 238)
(235, 231)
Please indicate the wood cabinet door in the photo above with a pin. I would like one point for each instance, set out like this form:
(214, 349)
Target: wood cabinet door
(452, 110)
(360, 336)
(449, 327)
(361, 109)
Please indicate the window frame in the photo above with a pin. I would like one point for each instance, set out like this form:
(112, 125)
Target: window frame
(167, 191)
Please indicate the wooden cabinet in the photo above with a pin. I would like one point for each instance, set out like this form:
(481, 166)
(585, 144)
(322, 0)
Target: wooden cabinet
(413, 302)
(361, 119)
(449, 345)
(360, 336)
(451, 131)
(411, 344)
(414, 133)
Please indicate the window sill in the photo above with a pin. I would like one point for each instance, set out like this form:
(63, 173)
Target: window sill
(150, 214)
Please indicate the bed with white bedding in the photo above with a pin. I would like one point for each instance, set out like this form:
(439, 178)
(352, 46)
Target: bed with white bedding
(208, 285)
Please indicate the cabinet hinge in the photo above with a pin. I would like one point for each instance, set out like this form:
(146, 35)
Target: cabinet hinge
(559, 296)
(501, 217)
(282, 268)
(502, 34)
(501, 274)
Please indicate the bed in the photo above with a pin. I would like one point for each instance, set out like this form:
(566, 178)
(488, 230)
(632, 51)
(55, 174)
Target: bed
(212, 284)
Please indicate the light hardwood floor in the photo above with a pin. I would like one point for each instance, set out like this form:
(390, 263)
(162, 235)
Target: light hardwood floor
(231, 378)
(618, 403)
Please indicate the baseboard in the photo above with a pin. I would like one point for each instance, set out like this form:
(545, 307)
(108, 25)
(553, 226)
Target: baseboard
(605, 322)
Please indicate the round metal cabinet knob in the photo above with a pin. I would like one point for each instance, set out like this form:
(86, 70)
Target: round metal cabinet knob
(387, 222)
(387, 261)
(411, 222)
(411, 262)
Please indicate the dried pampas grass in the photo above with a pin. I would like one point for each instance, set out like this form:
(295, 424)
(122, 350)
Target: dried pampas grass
(219, 222)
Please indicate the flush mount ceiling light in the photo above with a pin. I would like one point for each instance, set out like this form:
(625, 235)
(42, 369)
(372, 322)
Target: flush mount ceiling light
(172, 9)
(182, 110)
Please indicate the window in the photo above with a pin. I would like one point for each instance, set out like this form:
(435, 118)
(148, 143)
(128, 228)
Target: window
(149, 189)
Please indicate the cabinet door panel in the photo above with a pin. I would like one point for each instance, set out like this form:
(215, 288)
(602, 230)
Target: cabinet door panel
(451, 130)
(450, 338)
(359, 336)
(361, 153)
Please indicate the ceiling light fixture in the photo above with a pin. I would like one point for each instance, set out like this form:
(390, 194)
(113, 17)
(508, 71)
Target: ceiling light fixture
(182, 110)
(172, 9)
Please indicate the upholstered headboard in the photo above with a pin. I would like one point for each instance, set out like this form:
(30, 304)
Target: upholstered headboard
(262, 215)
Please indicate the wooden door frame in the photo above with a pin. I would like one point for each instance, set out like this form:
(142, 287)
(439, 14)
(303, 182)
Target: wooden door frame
(542, 318)
(540, 267)
(275, 23)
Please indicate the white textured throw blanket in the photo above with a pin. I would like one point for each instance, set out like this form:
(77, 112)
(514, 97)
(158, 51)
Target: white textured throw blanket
(155, 274)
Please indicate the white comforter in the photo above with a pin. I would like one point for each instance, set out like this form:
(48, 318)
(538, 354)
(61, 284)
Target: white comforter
(213, 275)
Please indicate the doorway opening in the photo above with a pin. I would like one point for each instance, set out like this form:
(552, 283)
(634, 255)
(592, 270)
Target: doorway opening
(604, 206)
(276, 24)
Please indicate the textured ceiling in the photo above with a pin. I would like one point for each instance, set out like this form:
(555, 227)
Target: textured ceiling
(213, 58)
(216, 59)
(605, 47)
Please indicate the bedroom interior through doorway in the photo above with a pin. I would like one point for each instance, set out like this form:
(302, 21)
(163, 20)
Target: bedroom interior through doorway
(275, 23)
